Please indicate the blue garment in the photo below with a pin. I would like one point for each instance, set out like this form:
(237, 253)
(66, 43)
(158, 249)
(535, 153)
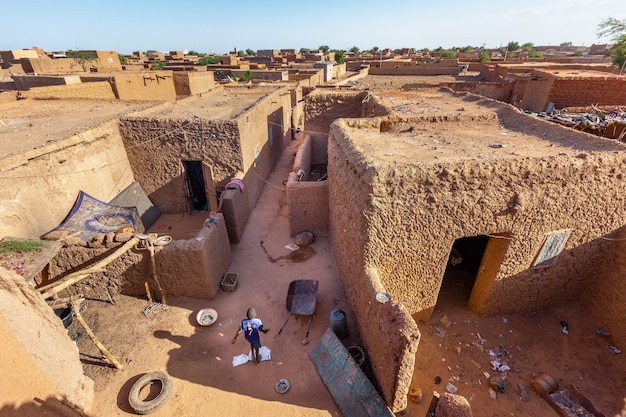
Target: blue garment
(251, 329)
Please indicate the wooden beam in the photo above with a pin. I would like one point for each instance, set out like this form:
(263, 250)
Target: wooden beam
(50, 290)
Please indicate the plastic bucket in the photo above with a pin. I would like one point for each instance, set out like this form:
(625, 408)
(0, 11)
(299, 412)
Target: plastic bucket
(338, 323)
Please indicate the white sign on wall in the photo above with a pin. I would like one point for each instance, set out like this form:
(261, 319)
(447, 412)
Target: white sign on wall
(552, 247)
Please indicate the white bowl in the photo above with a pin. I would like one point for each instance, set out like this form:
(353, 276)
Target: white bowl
(206, 317)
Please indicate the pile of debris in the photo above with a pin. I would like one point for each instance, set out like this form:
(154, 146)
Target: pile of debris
(608, 124)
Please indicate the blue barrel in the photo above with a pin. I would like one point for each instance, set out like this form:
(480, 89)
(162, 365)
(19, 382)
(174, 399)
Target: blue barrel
(338, 323)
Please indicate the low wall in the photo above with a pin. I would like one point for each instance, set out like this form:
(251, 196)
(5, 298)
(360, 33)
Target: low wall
(308, 206)
(26, 82)
(91, 90)
(236, 210)
(195, 267)
(185, 268)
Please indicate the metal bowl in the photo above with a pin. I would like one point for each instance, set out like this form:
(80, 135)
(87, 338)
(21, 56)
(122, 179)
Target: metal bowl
(282, 386)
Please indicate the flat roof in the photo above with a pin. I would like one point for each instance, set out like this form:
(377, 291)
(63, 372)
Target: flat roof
(221, 103)
(437, 126)
(29, 124)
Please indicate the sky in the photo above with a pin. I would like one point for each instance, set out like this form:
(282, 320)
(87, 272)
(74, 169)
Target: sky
(210, 26)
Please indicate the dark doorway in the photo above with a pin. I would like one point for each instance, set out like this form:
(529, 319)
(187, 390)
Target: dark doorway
(195, 184)
(462, 268)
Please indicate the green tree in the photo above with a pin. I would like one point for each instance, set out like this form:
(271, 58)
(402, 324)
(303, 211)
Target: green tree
(240, 53)
(375, 49)
(565, 44)
(305, 51)
(83, 59)
(354, 50)
(245, 77)
(448, 54)
(157, 65)
(527, 47)
(616, 29)
(340, 56)
(466, 49)
(535, 54)
(578, 53)
(122, 59)
(324, 48)
(512, 46)
(250, 52)
(194, 53)
(484, 57)
(209, 60)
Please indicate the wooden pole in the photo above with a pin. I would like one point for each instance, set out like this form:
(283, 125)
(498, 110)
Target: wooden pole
(50, 290)
(94, 339)
(148, 292)
(154, 273)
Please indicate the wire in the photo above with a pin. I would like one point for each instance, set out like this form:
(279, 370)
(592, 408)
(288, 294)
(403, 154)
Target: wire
(269, 183)
(612, 239)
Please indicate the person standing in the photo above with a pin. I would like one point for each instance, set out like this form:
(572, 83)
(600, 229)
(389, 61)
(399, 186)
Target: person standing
(251, 326)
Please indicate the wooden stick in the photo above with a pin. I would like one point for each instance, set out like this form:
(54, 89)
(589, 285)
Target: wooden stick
(71, 405)
(154, 273)
(110, 297)
(148, 292)
(105, 352)
(50, 290)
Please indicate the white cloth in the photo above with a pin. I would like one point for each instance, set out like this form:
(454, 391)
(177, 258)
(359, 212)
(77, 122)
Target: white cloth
(264, 352)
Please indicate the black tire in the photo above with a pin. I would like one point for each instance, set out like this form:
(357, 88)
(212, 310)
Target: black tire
(146, 407)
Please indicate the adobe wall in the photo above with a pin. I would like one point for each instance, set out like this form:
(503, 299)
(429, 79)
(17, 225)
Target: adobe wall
(92, 90)
(264, 127)
(188, 83)
(148, 85)
(387, 330)
(195, 267)
(35, 340)
(444, 201)
(392, 67)
(185, 268)
(157, 146)
(93, 161)
(536, 93)
(308, 206)
(26, 82)
(575, 91)
(605, 296)
(496, 90)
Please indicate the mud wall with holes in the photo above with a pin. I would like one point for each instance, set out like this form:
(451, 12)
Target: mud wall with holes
(39, 360)
(402, 221)
(388, 333)
(156, 147)
(185, 268)
(93, 161)
(606, 296)
(321, 108)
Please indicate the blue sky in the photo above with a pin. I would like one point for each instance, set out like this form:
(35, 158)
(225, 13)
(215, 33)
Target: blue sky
(220, 26)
